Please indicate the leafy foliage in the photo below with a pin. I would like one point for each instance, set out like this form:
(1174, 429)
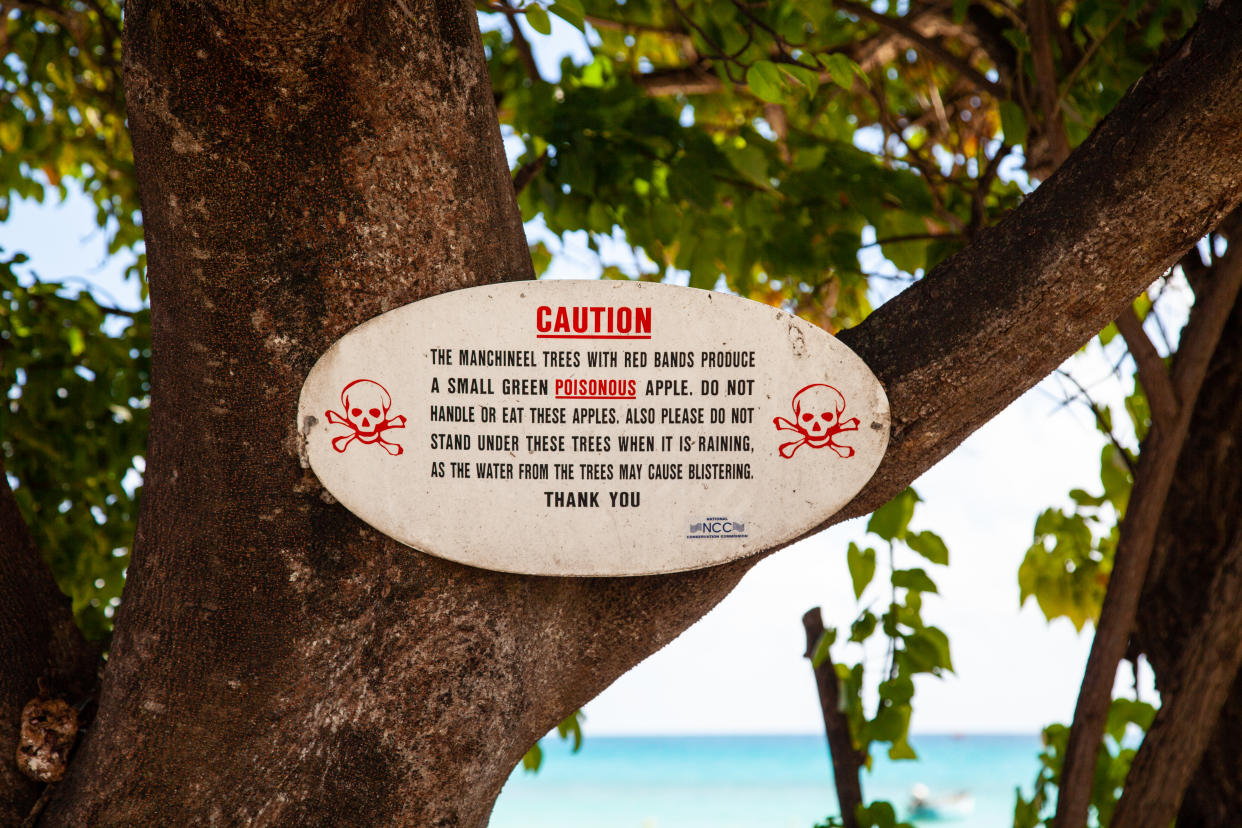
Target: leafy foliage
(73, 427)
(913, 647)
(75, 372)
(768, 144)
(1127, 718)
(62, 112)
(570, 729)
(1066, 569)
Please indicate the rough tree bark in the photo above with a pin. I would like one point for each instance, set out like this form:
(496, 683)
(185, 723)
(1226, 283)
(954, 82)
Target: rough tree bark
(1185, 725)
(1200, 521)
(306, 166)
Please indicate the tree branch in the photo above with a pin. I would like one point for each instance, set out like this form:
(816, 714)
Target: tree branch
(1152, 374)
(1157, 463)
(1039, 27)
(1074, 248)
(520, 42)
(931, 47)
(847, 762)
(1100, 421)
(682, 80)
(527, 172)
(978, 198)
(600, 22)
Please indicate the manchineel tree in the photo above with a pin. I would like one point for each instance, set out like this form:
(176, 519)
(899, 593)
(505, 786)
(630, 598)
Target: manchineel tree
(304, 167)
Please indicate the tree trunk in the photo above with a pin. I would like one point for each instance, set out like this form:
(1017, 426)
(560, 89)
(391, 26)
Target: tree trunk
(276, 661)
(1202, 518)
(305, 167)
(1186, 722)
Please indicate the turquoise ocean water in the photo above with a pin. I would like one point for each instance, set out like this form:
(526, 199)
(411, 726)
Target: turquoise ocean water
(752, 781)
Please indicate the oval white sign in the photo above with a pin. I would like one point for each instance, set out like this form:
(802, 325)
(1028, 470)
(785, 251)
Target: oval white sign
(592, 427)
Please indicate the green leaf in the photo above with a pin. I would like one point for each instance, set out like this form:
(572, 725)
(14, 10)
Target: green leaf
(877, 815)
(891, 520)
(532, 759)
(1139, 409)
(77, 342)
(764, 80)
(842, 69)
(899, 690)
(1018, 38)
(1115, 475)
(537, 17)
(571, 727)
(1124, 712)
(808, 158)
(937, 639)
(901, 750)
(861, 563)
(704, 278)
(1013, 123)
(1083, 498)
(722, 12)
(540, 257)
(823, 647)
(802, 76)
(915, 580)
(920, 656)
(863, 626)
(891, 723)
(571, 12)
(930, 546)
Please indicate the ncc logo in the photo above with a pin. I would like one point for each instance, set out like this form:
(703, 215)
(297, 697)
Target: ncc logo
(717, 527)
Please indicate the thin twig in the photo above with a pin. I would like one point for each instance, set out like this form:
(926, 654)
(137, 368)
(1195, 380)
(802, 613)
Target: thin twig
(1100, 420)
(933, 48)
(716, 47)
(909, 237)
(1039, 25)
(639, 28)
(1152, 375)
(32, 819)
(978, 198)
(526, 173)
(1068, 83)
(520, 42)
(878, 95)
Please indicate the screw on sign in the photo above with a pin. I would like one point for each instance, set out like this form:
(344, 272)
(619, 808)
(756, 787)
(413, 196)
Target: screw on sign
(817, 413)
(366, 405)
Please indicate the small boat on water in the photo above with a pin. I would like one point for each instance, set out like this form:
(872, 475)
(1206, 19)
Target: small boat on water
(946, 808)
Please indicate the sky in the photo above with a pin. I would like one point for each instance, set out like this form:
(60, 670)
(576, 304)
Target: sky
(740, 669)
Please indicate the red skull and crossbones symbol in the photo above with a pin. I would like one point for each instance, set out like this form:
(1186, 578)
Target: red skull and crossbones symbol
(366, 413)
(817, 417)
